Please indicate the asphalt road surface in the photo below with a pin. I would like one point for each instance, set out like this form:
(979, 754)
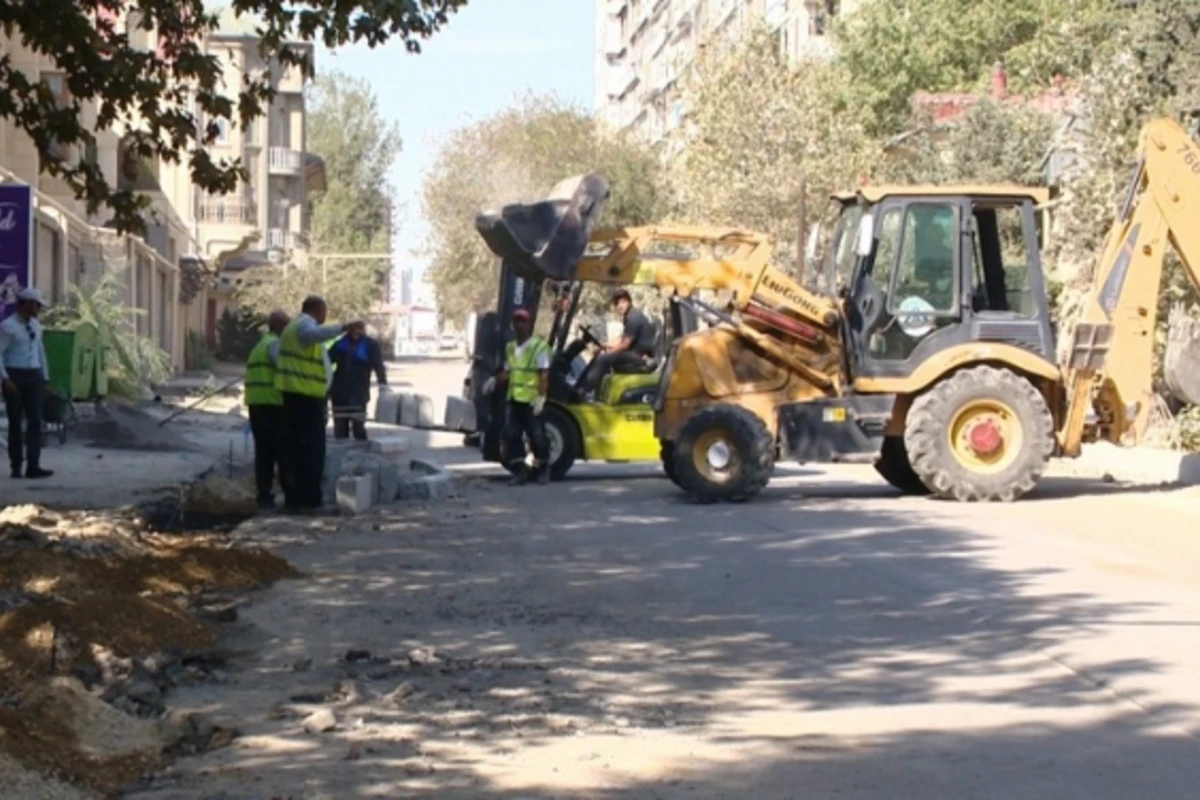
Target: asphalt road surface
(602, 638)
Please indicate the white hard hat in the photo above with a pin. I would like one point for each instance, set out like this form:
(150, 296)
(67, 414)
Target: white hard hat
(31, 294)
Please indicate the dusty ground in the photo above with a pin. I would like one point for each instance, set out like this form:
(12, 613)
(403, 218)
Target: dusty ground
(603, 639)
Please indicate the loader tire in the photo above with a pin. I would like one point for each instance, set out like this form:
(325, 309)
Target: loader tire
(984, 434)
(895, 468)
(666, 454)
(724, 454)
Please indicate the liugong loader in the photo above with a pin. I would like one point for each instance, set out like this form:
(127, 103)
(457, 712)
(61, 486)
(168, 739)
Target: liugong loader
(555, 241)
(936, 362)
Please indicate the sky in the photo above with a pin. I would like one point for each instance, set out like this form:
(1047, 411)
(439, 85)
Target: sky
(491, 53)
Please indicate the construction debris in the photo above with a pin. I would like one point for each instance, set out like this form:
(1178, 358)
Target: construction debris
(100, 616)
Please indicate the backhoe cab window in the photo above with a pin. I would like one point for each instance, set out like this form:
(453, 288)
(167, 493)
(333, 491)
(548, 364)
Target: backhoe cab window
(916, 251)
(842, 250)
(925, 270)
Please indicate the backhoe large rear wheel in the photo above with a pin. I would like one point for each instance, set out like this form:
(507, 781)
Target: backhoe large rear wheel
(983, 434)
(895, 468)
(724, 454)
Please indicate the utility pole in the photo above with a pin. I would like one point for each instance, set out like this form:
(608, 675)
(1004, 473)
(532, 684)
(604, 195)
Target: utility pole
(802, 229)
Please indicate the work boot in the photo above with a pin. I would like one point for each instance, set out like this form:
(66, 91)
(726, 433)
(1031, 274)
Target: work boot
(16, 471)
(38, 472)
(519, 478)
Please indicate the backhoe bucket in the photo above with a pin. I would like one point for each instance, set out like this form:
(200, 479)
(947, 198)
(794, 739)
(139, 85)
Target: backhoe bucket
(1181, 361)
(549, 237)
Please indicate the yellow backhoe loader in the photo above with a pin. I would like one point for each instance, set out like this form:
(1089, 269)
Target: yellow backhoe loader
(936, 360)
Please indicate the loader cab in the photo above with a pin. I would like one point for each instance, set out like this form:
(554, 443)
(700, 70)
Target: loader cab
(934, 269)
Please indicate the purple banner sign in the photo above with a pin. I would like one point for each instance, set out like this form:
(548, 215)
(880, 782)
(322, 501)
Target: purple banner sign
(16, 243)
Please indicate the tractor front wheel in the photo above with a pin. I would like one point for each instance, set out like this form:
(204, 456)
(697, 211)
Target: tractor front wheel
(666, 454)
(983, 434)
(895, 468)
(724, 454)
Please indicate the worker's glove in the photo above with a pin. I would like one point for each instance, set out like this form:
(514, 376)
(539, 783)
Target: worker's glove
(539, 403)
(489, 386)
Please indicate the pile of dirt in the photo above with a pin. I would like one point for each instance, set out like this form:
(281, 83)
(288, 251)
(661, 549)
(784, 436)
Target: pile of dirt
(125, 427)
(100, 615)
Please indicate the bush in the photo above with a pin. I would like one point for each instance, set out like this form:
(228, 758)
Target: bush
(237, 333)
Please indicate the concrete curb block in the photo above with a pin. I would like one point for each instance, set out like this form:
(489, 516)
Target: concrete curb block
(1146, 465)
(430, 481)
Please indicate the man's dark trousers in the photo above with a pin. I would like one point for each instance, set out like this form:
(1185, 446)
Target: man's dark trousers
(25, 404)
(304, 439)
(522, 421)
(343, 424)
(607, 362)
(267, 425)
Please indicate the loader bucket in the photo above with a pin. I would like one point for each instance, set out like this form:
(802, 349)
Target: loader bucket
(1181, 361)
(547, 238)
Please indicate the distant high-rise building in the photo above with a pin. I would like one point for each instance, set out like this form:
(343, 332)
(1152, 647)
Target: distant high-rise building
(643, 48)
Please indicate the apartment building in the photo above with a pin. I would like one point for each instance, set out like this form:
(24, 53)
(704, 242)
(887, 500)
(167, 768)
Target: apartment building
(644, 47)
(264, 220)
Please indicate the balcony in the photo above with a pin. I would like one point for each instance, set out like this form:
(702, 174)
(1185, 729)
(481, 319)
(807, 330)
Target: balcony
(280, 239)
(228, 211)
(284, 161)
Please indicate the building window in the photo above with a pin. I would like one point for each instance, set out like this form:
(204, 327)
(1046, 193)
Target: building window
(74, 265)
(820, 15)
(222, 126)
(56, 82)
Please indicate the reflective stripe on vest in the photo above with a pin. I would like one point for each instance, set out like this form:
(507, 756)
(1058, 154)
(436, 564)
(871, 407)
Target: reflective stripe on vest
(523, 383)
(300, 369)
(260, 375)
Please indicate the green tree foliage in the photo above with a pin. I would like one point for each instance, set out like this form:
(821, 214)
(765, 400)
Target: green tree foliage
(760, 129)
(175, 94)
(1152, 69)
(991, 143)
(353, 215)
(891, 49)
(517, 155)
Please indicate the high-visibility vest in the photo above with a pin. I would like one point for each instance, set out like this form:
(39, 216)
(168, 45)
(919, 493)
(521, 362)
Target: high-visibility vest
(523, 383)
(260, 375)
(301, 368)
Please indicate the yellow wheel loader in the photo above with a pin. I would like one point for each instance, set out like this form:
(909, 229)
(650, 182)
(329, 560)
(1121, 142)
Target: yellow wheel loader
(935, 359)
(555, 241)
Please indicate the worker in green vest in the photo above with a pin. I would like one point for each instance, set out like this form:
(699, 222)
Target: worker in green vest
(527, 376)
(265, 405)
(302, 376)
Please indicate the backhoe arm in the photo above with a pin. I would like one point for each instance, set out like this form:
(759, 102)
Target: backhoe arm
(1110, 366)
(731, 261)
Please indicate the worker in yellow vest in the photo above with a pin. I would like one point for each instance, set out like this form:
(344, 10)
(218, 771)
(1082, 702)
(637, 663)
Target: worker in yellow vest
(302, 376)
(265, 405)
(527, 375)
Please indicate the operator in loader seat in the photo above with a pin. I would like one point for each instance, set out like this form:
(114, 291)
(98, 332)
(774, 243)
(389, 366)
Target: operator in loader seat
(527, 375)
(633, 352)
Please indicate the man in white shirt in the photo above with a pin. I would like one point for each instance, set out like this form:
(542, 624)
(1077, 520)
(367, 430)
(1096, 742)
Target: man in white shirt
(24, 376)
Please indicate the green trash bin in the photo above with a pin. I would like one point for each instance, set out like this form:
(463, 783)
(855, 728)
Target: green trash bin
(60, 360)
(71, 361)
